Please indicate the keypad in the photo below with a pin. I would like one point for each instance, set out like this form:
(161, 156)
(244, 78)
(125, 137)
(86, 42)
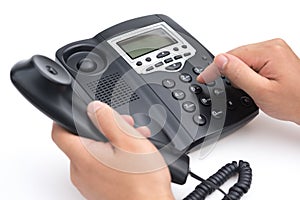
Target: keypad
(198, 102)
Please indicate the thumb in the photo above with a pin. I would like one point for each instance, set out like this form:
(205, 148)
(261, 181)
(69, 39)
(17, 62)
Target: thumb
(113, 126)
(240, 74)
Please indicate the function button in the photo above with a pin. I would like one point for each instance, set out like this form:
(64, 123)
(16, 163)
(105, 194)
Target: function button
(204, 58)
(189, 106)
(176, 49)
(211, 84)
(184, 46)
(148, 59)
(139, 63)
(246, 101)
(168, 60)
(200, 120)
(174, 66)
(149, 69)
(186, 78)
(223, 77)
(168, 83)
(205, 101)
(217, 114)
(187, 54)
(196, 89)
(198, 70)
(163, 54)
(177, 57)
(159, 64)
(230, 105)
(178, 94)
(218, 91)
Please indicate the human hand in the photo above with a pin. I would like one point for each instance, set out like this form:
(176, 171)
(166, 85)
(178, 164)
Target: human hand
(127, 167)
(268, 71)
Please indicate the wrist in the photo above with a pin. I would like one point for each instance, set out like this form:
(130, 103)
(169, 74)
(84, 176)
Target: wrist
(158, 197)
(160, 194)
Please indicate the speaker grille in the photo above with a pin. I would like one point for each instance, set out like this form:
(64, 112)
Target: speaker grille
(113, 90)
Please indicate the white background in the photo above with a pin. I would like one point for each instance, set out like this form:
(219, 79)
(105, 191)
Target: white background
(32, 167)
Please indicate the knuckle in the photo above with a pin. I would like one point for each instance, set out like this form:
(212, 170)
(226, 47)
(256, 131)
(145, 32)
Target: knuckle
(278, 45)
(279, 41)
(233, 70)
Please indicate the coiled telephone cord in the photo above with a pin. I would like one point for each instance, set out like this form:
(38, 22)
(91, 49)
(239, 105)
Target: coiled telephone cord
(220, 177)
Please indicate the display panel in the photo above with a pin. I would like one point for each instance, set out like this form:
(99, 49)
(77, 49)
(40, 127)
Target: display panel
(145, 43)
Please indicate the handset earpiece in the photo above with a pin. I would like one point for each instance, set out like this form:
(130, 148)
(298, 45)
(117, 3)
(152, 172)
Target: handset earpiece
(51, 70)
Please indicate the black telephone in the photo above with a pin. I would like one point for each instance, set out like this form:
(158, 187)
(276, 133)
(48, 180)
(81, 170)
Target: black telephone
(145, 67)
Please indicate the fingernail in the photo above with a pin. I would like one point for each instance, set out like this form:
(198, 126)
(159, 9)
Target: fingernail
(221, 61)
(94, 106)
(200, 78)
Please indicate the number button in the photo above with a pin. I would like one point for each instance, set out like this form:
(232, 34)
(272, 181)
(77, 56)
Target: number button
(196, 89)
(200, 120)
(189, 106)
(198, 70)
(186, 78)
(178, 94)
(217, 114)
(205, 101)
(168, 83)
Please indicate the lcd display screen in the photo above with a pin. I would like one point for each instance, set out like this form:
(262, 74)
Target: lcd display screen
(145, 43)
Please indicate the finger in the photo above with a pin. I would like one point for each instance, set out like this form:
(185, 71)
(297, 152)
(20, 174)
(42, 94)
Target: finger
(128, 119)
(240, 74)
(210, 74)
(144, 130)
(72, 145)
(116, 130)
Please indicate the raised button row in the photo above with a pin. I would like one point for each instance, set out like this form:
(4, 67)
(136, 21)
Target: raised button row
(167, 60)
(182, 46)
